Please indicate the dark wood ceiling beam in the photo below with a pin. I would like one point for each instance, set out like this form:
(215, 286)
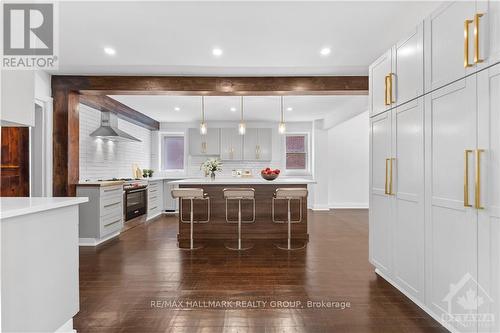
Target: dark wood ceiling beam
(69, 91)
(105, 103)
(215, 86)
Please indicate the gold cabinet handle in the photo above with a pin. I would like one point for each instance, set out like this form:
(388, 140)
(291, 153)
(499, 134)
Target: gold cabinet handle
(477, 201)
(391, 97)
(476, 38)
(257, 152)
(466, 178)
(386, 95)
(204, 147)
(386, 191)
(466, 43)
(390, 176)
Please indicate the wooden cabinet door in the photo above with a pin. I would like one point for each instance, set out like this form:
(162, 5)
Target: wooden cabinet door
(265, 144)
(231, 144)
(380, 220)
(408, 173)
(451, 226)
(489, 217)
(15, 162)
(444, 44)
(377, 83)
(408, 63)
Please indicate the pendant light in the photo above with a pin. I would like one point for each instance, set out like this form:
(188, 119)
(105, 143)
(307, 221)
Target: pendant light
(203, 125)
(282, 126)
(242, 127)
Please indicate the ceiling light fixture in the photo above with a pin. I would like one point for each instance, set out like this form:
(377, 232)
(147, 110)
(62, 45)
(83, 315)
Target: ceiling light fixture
(109, 51)
(289, 108)
(233, 109)
(325, 51)
(217, 52)
(177, 108)
(203, 125)
(241, 126)
(282, 126)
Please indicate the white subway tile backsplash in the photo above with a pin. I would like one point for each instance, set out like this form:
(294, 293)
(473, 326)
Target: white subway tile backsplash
(103, 159)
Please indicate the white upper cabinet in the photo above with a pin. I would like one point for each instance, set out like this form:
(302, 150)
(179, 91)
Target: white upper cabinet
(488, 24)
(257, 144)
(204, 144)
(449, 44)
(408, 67)
(379, 77)
(231, 144)
(18, 98)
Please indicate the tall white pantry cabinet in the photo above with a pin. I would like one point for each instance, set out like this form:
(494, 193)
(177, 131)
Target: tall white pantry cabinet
(435, 165)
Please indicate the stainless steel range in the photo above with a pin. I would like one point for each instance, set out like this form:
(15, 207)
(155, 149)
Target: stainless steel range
(135, 198)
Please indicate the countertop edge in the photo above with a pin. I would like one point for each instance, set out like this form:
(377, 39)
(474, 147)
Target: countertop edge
(15, 212)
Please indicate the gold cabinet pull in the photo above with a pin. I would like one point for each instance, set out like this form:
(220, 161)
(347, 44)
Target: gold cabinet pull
(466, 43)
(466, 178)
(390, 176)
(386, 99)
(204, 147)
(391, 97)
(257, 152)
(477, 201)
(476, 38)
(386, 169)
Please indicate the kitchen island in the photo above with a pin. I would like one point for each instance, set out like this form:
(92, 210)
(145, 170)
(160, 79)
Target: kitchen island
(39, 263)
(262, 228)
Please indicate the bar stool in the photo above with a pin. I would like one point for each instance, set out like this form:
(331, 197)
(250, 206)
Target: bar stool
(239, 194)
(289, 194)
(191, 194)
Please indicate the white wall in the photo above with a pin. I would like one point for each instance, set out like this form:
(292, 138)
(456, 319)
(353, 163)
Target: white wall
(348, 156)
(104, 159)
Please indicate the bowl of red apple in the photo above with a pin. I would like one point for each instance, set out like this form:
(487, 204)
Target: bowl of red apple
(270, 174)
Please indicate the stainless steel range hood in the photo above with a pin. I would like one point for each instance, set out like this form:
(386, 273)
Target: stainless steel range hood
(109, 129)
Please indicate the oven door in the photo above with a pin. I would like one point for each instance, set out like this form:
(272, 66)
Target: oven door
(135, 203)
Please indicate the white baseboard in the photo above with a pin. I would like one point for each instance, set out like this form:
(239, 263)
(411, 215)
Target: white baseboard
(67, 327)
(320, 207)
(349, 205)
(417, 302)
(149, 218)
(96, 241)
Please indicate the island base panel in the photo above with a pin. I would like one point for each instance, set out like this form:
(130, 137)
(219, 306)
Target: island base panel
(262, 228)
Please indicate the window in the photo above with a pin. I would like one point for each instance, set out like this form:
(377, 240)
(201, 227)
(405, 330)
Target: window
(172, 152)
(296, 152)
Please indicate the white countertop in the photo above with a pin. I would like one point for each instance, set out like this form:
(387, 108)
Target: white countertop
(253, 180)
(12, 207)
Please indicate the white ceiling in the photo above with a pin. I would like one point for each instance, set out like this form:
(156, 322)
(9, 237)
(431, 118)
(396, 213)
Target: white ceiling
(257, 38)
(256, 108)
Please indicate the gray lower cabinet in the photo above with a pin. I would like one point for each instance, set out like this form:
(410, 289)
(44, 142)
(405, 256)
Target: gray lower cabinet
(102, 217)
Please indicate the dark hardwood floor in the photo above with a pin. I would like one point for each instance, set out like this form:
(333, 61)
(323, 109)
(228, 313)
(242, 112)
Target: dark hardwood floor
(120, 281)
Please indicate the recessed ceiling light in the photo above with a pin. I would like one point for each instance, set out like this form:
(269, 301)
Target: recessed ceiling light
(177, 108)
(109, 51)
(289, 108)
(233, 109)
(325, 51)
(217, 52)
